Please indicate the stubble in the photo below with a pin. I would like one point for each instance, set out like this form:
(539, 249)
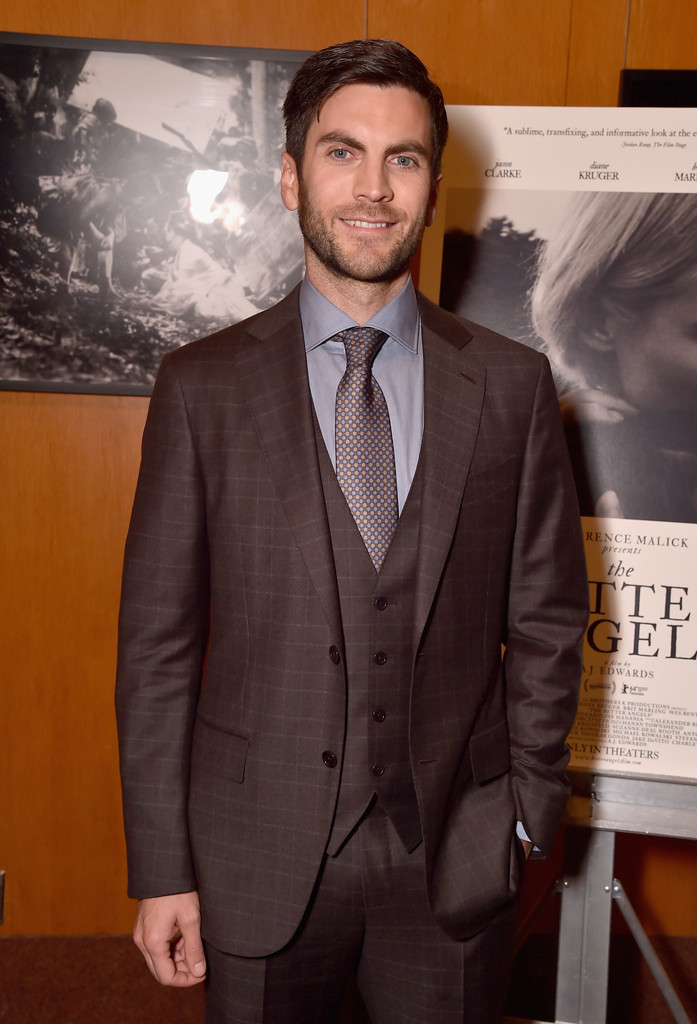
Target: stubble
(364, 262)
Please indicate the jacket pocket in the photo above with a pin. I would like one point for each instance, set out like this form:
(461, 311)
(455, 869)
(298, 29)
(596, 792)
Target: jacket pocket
(219, 752)
(490, 753)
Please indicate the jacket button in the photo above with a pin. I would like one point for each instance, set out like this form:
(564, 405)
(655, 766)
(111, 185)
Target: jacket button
(335, 654)
(329, 759)
(381, 603)
(380, 658)
(377, 770)
(379, 715)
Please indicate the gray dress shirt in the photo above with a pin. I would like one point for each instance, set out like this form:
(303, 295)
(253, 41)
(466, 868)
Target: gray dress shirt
(398, 369)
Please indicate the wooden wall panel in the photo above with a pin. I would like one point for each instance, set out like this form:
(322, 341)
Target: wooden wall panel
(662, 35)
(481, 51)
(68, 463)
(596, 52)
(658, 875)
(273, 23)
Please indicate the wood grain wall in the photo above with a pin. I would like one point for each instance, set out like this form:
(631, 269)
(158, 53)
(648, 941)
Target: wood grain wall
(68, 463)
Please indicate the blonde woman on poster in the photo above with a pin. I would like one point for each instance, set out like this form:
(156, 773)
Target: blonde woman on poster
(615, 303)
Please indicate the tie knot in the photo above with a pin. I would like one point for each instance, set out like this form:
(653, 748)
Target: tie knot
(362, 345)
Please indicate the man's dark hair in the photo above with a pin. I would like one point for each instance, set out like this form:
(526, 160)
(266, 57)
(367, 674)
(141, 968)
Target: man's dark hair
(381, 62)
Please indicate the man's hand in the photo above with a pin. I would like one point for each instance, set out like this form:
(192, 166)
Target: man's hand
(168, 934)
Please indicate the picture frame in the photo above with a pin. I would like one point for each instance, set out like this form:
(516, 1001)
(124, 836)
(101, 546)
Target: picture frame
(139, 204)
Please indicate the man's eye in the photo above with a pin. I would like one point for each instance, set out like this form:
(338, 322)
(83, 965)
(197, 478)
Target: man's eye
(404, 161)
(340, 154)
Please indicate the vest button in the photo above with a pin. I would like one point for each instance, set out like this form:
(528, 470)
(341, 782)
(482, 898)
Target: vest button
(377, 770)
(379, 715)
(335, 654)
(381, 603)
(329, 759)
(380, 658)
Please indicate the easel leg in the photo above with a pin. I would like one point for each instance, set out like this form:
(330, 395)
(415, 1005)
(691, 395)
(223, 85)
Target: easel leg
(584, 927)
(649, 954)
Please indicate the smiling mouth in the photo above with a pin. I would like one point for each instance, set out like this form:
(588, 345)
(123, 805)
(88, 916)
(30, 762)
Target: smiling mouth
(368, 223)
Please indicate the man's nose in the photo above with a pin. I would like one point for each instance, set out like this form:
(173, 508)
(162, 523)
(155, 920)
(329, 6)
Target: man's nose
(372, 182)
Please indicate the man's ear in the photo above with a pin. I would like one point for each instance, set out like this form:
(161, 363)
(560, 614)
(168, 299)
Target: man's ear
(289, 182)
(433, 201)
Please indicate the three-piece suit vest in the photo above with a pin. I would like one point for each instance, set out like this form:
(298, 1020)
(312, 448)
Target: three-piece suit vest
(377, 618)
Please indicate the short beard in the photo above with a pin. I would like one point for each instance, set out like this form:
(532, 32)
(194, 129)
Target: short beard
(368, 267)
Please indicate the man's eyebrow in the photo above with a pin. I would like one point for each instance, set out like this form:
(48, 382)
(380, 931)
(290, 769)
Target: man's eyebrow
(342, 139)
(409, 146)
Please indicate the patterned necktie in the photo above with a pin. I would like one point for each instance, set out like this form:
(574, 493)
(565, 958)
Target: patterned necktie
(365, 465)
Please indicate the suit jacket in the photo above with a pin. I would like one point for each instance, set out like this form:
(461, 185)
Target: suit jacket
(229, 561)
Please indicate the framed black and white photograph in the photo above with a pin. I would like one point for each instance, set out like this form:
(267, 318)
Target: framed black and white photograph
(139, 204)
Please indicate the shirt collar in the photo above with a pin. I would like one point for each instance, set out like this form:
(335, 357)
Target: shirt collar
(321, 319)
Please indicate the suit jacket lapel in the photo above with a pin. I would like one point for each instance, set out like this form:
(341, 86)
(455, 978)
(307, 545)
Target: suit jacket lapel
(272, 371)
(453, 396)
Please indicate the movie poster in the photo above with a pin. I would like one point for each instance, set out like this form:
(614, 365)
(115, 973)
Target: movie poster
(574, 231)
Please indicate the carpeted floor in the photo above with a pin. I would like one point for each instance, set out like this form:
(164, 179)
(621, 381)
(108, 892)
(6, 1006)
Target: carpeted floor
(101, 980)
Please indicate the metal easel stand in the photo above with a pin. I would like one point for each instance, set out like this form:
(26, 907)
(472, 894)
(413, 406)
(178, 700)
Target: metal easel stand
(587, 891)
(600, 806)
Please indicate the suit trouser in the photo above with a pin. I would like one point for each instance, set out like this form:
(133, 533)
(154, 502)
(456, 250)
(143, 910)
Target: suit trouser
(369, 913)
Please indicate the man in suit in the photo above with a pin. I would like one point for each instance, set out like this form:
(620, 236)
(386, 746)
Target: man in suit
(390, 670)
